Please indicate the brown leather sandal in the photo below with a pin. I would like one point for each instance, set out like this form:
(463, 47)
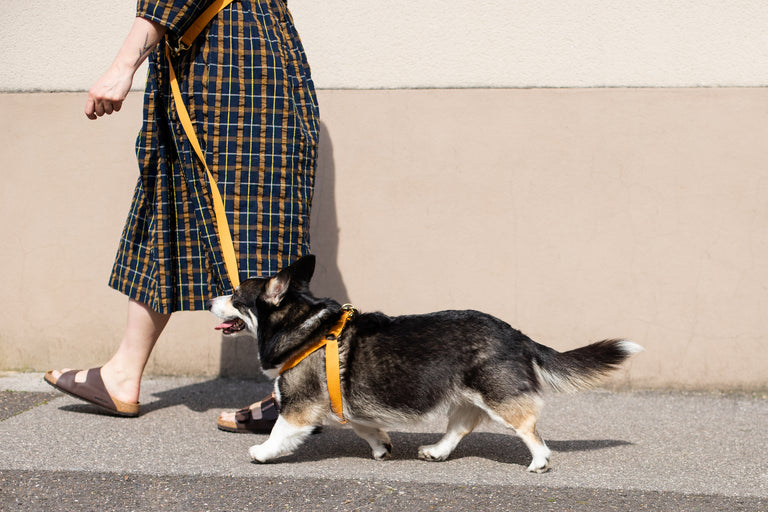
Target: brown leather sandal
(92, 391)
(246, 424)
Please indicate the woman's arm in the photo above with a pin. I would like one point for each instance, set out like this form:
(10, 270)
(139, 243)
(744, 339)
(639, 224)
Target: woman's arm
(109, 91)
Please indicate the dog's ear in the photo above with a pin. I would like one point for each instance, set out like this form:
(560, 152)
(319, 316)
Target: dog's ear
(302, 270)
(276, 288)
(299, 273)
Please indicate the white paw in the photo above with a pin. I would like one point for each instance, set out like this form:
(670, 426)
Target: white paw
(539, 466)
(384, 452)
(432, 453)
(258, 453)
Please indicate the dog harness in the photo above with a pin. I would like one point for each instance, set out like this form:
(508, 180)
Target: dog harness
(332, 373)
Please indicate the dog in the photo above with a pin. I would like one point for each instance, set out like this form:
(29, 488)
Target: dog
(397, 370)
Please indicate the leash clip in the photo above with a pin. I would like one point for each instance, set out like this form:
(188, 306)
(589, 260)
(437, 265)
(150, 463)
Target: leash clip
(350, 310)
(178, 49)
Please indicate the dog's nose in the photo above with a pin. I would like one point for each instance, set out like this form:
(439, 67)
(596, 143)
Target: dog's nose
(209, 304)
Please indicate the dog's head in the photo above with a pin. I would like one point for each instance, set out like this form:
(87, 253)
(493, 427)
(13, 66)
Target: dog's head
(263, 297)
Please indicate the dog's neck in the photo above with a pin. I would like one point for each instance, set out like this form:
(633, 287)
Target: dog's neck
(276, 348)
(332, 366)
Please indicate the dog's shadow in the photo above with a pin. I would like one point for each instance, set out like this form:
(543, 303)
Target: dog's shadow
(502, 448)
(232, 394)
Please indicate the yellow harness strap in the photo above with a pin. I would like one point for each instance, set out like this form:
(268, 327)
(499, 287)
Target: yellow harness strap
(222, 225)
(332, 373)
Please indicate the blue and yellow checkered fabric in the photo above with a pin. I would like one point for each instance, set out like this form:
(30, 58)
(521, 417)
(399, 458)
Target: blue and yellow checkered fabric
(247, 85)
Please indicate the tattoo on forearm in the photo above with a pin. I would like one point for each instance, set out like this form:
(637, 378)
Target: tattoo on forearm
(145, 49)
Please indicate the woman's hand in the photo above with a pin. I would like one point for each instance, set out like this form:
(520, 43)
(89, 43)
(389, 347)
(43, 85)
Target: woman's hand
(107, 94)
(109, 91)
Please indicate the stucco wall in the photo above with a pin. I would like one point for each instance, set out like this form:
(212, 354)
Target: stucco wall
(55, 45)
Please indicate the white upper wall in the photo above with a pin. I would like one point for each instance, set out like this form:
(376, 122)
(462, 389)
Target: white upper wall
(66, 44)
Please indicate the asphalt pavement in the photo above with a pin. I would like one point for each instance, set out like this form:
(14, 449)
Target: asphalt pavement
(646, 450)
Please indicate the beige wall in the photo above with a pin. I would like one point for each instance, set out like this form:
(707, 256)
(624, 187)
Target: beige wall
(574, 214)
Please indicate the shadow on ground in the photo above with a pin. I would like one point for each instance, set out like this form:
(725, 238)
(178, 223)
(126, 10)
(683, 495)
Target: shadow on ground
(224, 393)
(502, 448)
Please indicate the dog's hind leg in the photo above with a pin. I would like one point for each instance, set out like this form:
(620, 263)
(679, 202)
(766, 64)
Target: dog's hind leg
(521, 413)
(526, 430)
(284, 439)
(463, 420)
(377, 438)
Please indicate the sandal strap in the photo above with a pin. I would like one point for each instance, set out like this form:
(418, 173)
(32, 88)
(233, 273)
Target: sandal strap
(243, 415)
(269, 412)
(92, 389)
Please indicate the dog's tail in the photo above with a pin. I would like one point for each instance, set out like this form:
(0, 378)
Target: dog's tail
(583, 367)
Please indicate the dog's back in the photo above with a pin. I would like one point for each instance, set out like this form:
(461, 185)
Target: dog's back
(418, 363)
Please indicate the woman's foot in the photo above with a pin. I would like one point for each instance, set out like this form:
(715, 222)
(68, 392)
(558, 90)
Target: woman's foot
(119, 384)
(120, 378)
(89, 386)
(258, 418)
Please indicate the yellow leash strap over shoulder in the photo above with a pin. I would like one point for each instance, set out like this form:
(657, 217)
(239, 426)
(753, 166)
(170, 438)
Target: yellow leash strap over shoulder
(222, 225)
(332, 372)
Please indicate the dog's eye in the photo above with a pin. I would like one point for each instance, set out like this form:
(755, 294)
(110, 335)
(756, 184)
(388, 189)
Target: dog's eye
(238, 302)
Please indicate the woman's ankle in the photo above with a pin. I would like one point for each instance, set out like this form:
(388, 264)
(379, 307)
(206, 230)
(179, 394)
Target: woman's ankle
(122, 383)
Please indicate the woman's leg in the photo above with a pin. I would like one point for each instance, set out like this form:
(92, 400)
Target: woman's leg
(122, 373)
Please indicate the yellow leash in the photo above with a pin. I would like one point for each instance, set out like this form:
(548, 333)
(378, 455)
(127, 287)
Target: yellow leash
(222, 225)
(332, 373)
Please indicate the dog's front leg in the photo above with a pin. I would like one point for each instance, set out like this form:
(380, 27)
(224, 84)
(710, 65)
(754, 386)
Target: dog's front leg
(283, 440)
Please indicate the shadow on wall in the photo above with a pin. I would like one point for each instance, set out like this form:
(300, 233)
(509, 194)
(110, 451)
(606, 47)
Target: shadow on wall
(239, 356)
(327, 281)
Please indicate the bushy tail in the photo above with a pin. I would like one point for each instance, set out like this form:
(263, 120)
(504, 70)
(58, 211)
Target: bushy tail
(583, 367)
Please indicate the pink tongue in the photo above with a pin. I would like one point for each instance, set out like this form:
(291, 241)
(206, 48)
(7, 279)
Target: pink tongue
(225, 325)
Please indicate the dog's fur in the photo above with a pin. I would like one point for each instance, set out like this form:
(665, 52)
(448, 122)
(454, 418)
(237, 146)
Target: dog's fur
(395, 370)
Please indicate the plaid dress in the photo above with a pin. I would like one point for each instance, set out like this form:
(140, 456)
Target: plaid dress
(247, 86)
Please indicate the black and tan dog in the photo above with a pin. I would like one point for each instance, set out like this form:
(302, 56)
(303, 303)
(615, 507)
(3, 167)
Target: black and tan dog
(395, 370)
